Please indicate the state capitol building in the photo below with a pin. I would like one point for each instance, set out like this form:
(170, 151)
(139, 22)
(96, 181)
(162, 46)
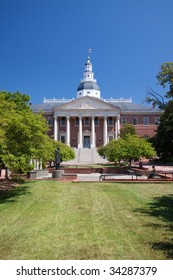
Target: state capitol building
(90, 121)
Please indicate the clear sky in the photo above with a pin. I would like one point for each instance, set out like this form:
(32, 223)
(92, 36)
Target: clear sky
(44, 46)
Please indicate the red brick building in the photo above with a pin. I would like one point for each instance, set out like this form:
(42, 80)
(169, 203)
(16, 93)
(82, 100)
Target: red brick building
(90, 121)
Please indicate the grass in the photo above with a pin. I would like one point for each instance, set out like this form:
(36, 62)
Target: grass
(59, 220)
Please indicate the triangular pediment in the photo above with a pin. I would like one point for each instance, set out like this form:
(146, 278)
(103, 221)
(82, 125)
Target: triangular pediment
(86, 103)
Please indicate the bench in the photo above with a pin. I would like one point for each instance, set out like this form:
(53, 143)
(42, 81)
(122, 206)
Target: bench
(132, 173)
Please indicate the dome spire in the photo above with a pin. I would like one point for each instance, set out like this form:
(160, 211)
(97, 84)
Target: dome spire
(88, 85)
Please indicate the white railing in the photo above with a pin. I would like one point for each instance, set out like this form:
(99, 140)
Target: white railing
(122, 99)
(57, 100)
(112, 100)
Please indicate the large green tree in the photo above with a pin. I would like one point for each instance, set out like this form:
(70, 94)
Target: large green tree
(128, 148)
(163, 140)
(23, 134)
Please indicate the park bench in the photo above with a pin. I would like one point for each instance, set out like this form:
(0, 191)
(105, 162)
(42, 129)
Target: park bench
(134, 174)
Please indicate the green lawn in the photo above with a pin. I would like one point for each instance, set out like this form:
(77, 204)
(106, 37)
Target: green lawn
(58, 220)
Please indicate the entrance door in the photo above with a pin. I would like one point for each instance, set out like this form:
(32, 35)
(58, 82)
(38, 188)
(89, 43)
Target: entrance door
(86, 143)
(62, 138)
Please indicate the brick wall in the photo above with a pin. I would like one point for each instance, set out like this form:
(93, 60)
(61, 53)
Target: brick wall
(141, 129)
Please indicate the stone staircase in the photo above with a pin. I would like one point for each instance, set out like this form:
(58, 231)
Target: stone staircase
(86, 156)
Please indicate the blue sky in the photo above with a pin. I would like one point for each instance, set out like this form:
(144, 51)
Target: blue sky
(44, 46)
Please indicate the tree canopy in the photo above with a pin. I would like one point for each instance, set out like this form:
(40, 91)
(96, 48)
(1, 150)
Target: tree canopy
(165, 78)
(128, 148)
(23, 134)
(127, 129)
(163, 141)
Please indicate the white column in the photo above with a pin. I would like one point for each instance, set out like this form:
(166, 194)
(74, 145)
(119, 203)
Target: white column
(55, 128)
(105, 131)
(118, 126)
(92, 133)
(116, 129)
(80, 144)
(36, 164)
(41, 164)
(68, 131)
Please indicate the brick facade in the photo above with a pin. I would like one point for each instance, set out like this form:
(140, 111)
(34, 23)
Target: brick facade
(145, 127)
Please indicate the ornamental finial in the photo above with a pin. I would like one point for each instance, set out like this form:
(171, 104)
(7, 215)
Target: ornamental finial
(89, 51)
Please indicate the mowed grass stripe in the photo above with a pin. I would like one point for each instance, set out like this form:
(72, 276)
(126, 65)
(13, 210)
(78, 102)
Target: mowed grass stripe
(58, 220)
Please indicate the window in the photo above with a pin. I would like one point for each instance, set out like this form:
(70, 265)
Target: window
(50, 121)
(123, 120)
(157, 120)
(77, 121)
(96, 121)
(134, 120)
(146, 120)
(62, 120)
(110, 120)
(86, 121)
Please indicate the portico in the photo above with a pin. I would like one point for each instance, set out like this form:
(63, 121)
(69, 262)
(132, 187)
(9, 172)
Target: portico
(82, 126)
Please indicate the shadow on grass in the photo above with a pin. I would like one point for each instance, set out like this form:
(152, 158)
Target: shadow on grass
(12, 194)
(162, 209)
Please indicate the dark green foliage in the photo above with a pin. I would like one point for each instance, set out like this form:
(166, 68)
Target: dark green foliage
(163, 141)
(164, 137)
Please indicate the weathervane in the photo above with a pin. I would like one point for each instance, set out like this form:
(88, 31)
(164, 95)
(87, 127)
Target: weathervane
(89, 51)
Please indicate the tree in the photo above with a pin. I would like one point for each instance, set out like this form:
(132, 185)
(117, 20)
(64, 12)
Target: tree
(156, 99)
(127, 129)
(113, 151)
(23, 134)
(128, 148)
(137, 147)
(165, 78)
(163, 141)
(164, 138)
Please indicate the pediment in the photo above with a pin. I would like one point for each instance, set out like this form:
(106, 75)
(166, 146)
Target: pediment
(86, 103)
(86, 131)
